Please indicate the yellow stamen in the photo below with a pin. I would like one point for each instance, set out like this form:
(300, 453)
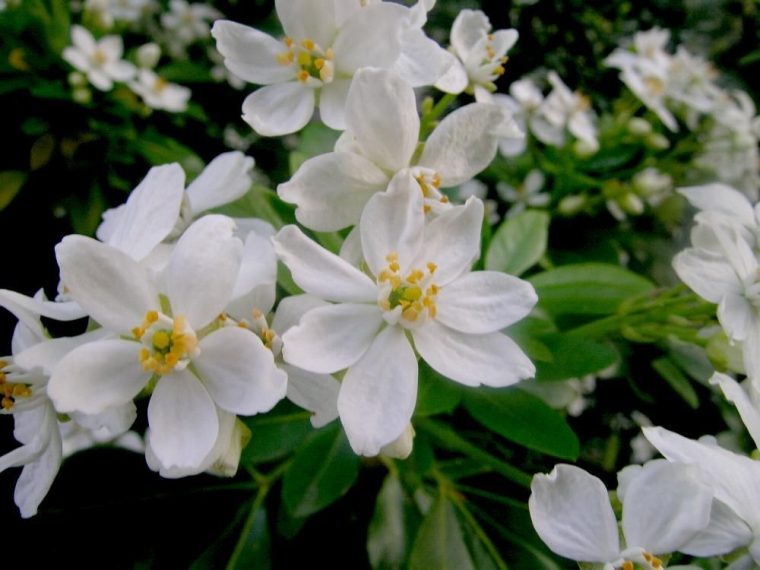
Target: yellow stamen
(303, 76)
(308, 44)
(285, 58)
(432, 267)
(288, 42)
(304, 59)
(330, 54)
(319, 63)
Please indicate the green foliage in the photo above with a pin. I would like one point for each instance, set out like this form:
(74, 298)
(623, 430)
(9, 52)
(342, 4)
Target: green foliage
(440, 542)
(519, 243)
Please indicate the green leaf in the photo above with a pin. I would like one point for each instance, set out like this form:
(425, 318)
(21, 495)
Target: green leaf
(677, 380)
(11, 182)
(393, 523)
(524, 419)
(316, 138)
(437, 395)
(275, 435)
(587, 288)
(321, 472)
(573, 357)
(185, 72)
(439, 543)
(160, 149)
(260, 202)
(519, 243)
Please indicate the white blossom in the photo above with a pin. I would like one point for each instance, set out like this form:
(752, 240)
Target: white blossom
(100, 60)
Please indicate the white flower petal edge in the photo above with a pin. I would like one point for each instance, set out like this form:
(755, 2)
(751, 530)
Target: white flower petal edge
(378, 393)
(571, 512)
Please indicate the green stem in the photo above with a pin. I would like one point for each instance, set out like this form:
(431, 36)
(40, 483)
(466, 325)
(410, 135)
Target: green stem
(428, 121)
(242, 541)
(479, 532)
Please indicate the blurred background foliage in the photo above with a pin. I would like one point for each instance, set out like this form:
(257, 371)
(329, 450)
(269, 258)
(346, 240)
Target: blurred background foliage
(65, 161)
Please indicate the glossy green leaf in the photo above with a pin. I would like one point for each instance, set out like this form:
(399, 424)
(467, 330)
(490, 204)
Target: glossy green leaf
(392, 527)
(573, 357)
(587, 288)
(524, 419)
(439, 543)
(321, 472)
(519, 243)
(436, 394)
(275, 435)
(254, 545)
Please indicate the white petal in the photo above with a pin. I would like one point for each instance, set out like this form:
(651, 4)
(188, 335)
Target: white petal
(183, 421)
(97, 376)
(24, 308)
(738, 397)
(258, 266)
(351, 248)
(317, 393)
(737, 315)
(108, 284)
(381, 112)
(708, 274)
(734, 478)
(111, 47)
(47, 354)
(571, 512)
(423, 61)
(291, 309)
(77, 58)
(331, 338)
(312, 19)
(720, 198)
(203, 268)
(251, 54)
(332, 103)
(82, 38)
(239, 371)
(371, 37)
(100, 80)
(452, 241)
(279, 109)
(151, 212)
(751, 356)
(319, 272)
(484, 302)
(37, 477)
(224, 180)
(454, 80)
(665, 506)
(490, 359)
(469, 27)
(120, 70)
(393, 222)
(464, 143)
(725, 533)
(331, 190)
(378, 393)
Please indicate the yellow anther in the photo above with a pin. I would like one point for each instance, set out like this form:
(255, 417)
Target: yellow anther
(285, 58)
(415, 276)
(426, 208)
(432, 267)
(410, 314)
(394, 266)
(490, 52)
(326, 73)
(395, 281)
(288, 42)
(319, 63)
(151, 316)
(138, 332)
(432, 290)
(303, 76)
(503, 59)
(444, 200)
(384, 276)
(257, 314)
(499, 70)
(436, 180)
(4, 363)
(627, 565)
(330, 54)
(7, 403)
(21, 391)
(3, 377)
(99, 57)
(308, 44)
(490, 37)
(392, 256)
(304, 59)
(144, 354)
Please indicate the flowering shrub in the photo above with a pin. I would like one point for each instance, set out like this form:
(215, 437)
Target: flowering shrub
(405, 282)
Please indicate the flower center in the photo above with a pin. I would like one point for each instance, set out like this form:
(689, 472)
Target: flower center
(99, 58)
(313, 63)
(167, 343)
(410, 298)
(430, 184)
(11, 391)
(654, 85)
(494, 64)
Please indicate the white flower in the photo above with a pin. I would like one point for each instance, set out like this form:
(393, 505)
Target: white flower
(664, 506)
(646, 71)
(522, 103)
(746, 398)
(526, 195)
(728, 275)
(381, 139)
(652, 185)
(187, 23)
(101, 61)
(418, 285)
(128, 10)
(160, 208)
(158, 93)
(478, 189)
(563, 109)
(481, 55)
(199, 370)
(326, 43)
(736, 484)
